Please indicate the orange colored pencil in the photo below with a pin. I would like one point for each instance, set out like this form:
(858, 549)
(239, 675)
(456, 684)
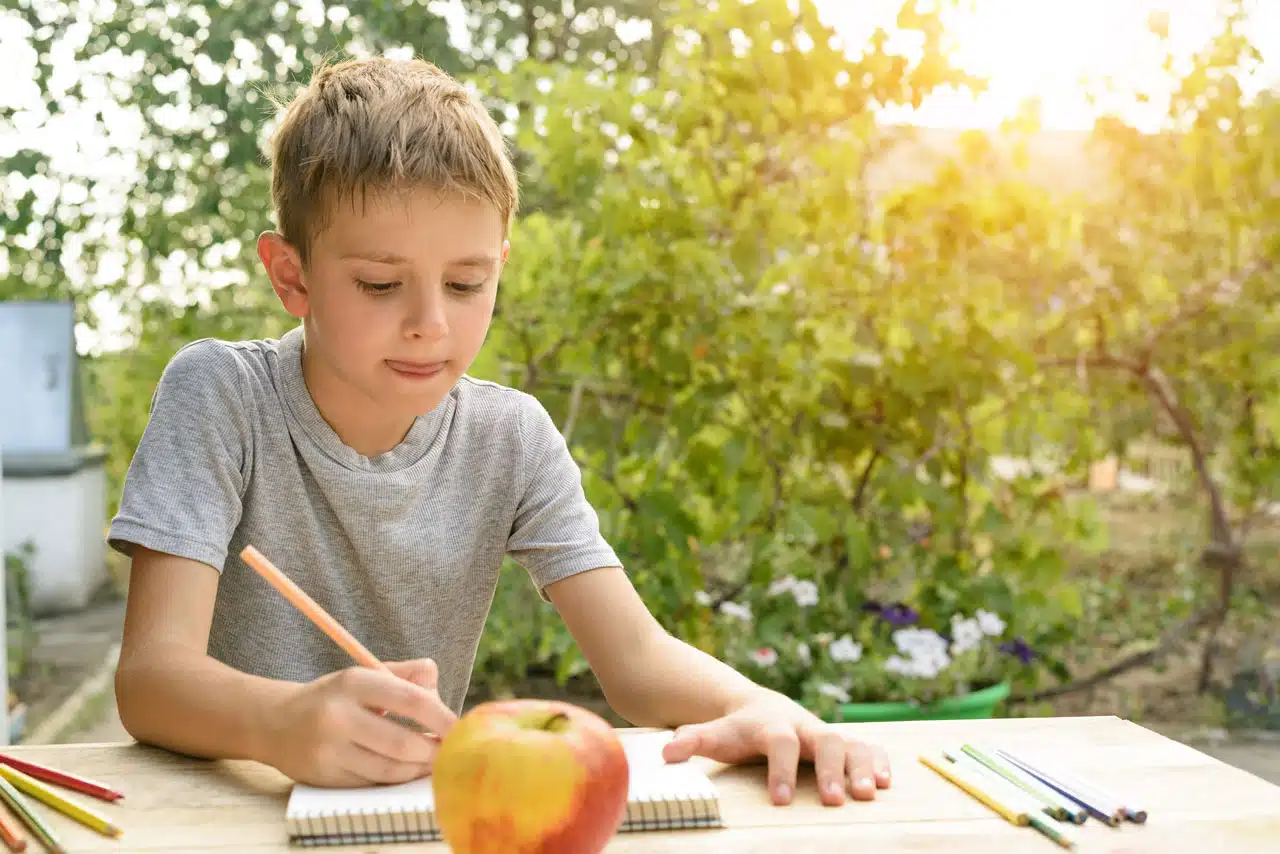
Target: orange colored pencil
(311, 609)
(13, 840)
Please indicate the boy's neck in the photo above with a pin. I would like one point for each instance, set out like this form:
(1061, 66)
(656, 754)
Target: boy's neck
(358, 422)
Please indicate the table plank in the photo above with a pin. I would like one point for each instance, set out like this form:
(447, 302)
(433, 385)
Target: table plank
(1197, 803)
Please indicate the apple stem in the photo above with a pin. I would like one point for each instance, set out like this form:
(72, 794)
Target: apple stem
(556, 723)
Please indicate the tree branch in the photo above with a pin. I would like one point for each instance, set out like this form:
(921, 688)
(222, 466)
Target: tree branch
(1227, 287)
(575, 403)
(860, 494)
(1166, 642)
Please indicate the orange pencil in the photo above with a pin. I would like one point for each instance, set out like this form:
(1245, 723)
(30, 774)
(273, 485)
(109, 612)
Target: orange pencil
(13, 840)
(311, 609)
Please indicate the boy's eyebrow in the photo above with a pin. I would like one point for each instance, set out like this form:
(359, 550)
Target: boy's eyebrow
(381, 257)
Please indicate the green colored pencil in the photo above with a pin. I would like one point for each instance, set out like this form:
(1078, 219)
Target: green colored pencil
(1059, 807)
(14, 799)
(1048, 828)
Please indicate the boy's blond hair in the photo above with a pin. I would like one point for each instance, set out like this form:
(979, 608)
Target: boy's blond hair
(383, 125)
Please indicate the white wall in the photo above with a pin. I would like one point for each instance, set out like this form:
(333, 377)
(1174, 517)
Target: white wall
(62, 515)
(4, 621)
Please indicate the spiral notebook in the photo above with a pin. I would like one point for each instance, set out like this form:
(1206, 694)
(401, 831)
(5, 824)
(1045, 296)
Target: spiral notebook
(662, 796)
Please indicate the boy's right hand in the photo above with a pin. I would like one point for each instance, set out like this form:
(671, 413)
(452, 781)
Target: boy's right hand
(331, 732)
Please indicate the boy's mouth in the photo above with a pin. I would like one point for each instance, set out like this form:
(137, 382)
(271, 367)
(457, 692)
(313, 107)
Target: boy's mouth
(416, 370)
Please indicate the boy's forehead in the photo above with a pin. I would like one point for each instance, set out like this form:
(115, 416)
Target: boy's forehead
(401, 231)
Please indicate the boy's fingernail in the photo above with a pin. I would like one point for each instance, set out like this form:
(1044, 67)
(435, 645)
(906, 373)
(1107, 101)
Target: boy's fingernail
(865, 783)
(784, 792)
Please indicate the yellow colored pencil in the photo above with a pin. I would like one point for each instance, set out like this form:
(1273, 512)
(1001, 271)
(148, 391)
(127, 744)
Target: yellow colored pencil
(38, 828)
(38, 790)
(975, 787)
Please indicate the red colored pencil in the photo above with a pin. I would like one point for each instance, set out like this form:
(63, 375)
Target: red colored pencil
(62, 778)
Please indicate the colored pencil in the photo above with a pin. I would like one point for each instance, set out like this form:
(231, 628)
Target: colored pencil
(41, 792)
(1109, 802)
(1016, 798)
(963, 778)
(1107, 812)
(62, 778)
(310, 608)
(18, 804)
(1047, 827)
(997, 786)
(331, 627)
(13, 839)
(1057, 805)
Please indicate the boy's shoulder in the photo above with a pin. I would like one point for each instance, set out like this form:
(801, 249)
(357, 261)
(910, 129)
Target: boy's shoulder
(486, 398)
(215, 359)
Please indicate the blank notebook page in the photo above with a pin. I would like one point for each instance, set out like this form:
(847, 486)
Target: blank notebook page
(661, 796)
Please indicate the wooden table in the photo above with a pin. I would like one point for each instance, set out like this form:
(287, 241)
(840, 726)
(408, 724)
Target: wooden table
(1197, 804)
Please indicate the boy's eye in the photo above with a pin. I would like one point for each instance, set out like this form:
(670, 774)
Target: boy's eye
(376, 287)
(466, 287)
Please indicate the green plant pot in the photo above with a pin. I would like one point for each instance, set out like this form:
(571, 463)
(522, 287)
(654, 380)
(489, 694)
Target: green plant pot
(978, 704)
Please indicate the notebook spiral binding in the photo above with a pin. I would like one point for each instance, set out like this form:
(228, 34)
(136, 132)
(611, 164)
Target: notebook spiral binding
(671, 813)
(376, 826)
(365, 827)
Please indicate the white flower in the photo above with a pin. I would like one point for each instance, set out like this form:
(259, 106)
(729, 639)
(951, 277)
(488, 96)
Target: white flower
(782, 585)
(845, 649)
(916, 641)
(967, 634)
(990, 623)
(702, 597)
(898, 664)
(803, 653)
(733, 609)
(765, 656)
(833, 691)
(925, 653)
(806, 593)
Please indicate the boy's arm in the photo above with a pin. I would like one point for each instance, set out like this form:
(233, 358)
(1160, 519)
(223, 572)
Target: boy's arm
(172, 694)
(169, 691)
(649, 677)
(653, 679)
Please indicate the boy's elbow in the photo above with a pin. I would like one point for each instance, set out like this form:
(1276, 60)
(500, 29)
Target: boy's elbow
(128, 705)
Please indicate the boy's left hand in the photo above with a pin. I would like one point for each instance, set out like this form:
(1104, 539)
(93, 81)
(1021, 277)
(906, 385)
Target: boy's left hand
(779, 729)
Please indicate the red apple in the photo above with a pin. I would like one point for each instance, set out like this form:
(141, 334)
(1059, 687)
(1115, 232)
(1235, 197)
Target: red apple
(530, 777)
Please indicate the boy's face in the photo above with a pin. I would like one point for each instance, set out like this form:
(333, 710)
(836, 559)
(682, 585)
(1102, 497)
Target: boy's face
(397, 297)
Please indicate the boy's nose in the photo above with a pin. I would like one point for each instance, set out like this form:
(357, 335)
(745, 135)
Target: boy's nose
(426, 318)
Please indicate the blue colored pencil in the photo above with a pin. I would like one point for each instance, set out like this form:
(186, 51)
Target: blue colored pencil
(1057, 805)
(1132, 813)
(1100, 808)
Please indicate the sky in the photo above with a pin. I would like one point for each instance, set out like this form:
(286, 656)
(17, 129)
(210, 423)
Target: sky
(1051, 50)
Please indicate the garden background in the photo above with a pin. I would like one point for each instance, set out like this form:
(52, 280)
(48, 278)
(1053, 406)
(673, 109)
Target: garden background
(828, 376)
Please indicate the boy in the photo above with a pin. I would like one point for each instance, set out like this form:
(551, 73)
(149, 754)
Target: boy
(358, 456)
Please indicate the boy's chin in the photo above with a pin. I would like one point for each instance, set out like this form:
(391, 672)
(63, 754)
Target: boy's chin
(420, 398)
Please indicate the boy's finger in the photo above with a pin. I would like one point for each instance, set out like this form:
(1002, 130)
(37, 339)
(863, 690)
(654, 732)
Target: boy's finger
(390, 739)
(419, 671)
(376, 769)
(400, 697)
(829, 763)
(881, 763)
(782, 747)
(862, 768)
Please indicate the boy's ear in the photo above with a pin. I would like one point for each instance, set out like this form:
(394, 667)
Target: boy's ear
(284, 268)
(506, 250)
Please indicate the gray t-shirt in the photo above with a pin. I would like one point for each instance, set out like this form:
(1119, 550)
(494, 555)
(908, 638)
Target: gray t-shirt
(404, 549)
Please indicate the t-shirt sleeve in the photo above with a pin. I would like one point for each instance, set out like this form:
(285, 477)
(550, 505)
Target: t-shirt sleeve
(556, 532)
(183, 491)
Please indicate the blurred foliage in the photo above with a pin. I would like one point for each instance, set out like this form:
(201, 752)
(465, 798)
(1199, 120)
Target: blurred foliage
(766, 369)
